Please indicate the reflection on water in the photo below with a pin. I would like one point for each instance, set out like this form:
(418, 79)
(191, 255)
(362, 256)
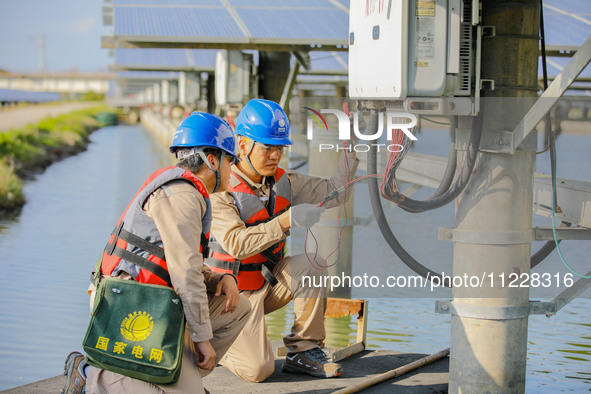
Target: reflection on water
(47, 254)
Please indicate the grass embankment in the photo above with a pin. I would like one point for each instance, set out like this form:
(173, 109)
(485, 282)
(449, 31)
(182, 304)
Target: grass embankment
(26, 151)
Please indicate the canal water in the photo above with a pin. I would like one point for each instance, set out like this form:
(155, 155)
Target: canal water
(48, 252)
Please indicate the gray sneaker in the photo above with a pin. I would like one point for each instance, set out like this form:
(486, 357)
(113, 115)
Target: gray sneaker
(312, 362)
(74, 370)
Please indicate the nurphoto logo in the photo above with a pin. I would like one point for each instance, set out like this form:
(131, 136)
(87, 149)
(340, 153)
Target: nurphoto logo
(392, 122)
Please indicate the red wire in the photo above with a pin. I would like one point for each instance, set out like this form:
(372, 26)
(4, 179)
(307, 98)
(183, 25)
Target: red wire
(338, 220)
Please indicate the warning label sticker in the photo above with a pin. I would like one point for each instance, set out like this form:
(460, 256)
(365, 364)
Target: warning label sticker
(425, 38)
(425, 8)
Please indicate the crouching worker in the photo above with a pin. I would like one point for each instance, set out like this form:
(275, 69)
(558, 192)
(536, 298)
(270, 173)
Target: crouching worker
(251, 222)
(160, 239)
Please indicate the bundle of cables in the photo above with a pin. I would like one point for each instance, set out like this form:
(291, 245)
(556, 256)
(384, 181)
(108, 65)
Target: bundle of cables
(399, 139)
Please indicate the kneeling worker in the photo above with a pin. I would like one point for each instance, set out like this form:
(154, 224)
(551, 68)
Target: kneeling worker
(250, 224)
(172, 211)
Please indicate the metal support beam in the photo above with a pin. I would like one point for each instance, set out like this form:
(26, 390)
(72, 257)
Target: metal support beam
(570, 294)
(291, 78)
(110, 42)
(575, 234)
(556, 89)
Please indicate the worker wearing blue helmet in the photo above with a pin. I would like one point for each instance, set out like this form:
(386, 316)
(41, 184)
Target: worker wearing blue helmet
(213, 132)
(251, 222)
(161, 239)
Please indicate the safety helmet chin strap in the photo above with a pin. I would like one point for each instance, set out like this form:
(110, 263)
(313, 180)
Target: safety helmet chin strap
(248, 158)
(218, 178)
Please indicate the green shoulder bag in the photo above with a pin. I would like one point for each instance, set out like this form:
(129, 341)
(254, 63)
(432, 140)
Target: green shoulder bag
(136, 330)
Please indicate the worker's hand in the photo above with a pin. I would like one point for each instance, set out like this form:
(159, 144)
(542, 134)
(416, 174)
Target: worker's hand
(227, 286)
(206, 355)
(305, 215)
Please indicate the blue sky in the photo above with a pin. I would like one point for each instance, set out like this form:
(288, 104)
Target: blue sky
(72, 28)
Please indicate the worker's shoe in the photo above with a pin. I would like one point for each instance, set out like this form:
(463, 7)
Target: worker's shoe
(74, 370)
(313, 362)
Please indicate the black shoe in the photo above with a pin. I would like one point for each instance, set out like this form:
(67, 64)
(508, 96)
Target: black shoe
(312, 362)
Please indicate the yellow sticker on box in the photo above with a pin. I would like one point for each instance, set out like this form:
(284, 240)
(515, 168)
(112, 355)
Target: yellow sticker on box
(425, 8)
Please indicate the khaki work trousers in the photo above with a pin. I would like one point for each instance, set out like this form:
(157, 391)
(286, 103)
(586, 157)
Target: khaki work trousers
(251, 356)
(225, 329)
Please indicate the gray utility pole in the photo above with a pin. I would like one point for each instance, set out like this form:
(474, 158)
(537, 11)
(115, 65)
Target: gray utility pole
(494, 213)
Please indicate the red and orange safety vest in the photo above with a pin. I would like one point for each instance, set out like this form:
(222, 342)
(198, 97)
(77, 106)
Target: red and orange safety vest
(254, 270)
(135, 245)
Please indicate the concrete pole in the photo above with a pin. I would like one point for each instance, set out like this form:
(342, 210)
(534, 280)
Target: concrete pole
(182, 89)
(165, 86)
(489, 325)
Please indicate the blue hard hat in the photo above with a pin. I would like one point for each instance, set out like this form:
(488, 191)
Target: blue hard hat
(201, 129)
(263, 121)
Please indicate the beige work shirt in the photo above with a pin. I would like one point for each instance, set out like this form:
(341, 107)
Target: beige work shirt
(177, 208)
(241, 241)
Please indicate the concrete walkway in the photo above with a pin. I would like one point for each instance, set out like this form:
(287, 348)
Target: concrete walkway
(431, 378)
(20, 117)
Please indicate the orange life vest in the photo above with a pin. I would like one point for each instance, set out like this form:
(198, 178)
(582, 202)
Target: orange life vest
(254, 270)
(135, 245)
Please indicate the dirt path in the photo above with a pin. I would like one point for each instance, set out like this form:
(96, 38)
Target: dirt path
(20, 117)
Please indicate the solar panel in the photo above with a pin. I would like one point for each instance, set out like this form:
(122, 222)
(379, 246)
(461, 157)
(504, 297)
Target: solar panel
(161, 23)
(165, 59)
(225, 23)
(327, 62)
(168, 2)
(296, 25)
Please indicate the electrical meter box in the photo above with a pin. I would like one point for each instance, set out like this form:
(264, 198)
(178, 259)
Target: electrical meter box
(233, 74)
(405, 48)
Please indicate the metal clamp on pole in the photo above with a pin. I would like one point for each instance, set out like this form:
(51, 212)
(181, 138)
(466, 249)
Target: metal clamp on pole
(486, 237)
(494, 312)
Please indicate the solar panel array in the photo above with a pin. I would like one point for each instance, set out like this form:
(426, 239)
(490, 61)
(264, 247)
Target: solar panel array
(246, 23)
(566, 23)
(228, 22)
(17, 96)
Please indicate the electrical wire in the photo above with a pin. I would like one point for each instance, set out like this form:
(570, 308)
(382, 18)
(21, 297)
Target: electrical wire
(553, 150)
(436, 122)
(376, 203)
(549, 246)
(330, 196)
(436, 201)
(547, 126)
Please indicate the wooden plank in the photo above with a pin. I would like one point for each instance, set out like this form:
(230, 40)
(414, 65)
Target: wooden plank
(347, 351)
(339, 307)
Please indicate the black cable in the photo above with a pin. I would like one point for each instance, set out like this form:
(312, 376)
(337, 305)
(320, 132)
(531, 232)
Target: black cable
(378, 210)
(450, 168)
(547, 128)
